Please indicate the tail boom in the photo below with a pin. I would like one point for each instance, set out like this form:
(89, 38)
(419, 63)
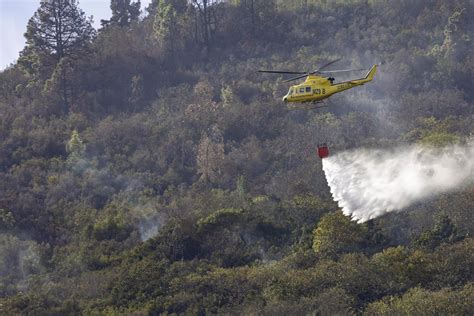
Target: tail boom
(341, 86)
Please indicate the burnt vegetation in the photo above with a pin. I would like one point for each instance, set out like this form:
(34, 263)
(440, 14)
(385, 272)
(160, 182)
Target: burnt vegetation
(146, 168)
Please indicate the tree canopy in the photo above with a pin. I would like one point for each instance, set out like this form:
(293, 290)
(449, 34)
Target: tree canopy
(59, 27)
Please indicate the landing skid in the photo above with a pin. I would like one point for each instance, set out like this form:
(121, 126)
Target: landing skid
(314, 105)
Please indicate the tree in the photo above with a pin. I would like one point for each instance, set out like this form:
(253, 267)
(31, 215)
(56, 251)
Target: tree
(205, 112)
(336, 234)
(444, 231)
(57, 34)
(210, 155)
(137, 91)
(123, 13)
(165, 25)
(240, 186)
(206, 21)
(59, 28)
(60, 81)
(6, 219)
(255, 12)
(75, 147)
(453, 35)
(180, 6)
(227, 96)
(418, 301)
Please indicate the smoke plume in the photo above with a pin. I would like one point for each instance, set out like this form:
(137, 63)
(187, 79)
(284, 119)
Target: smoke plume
(369, 183)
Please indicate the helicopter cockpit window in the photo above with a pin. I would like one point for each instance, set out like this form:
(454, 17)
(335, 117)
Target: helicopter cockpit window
(301, 90)
(291, 92)
(308, 89)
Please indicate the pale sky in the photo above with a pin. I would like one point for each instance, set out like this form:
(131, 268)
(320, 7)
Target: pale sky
(14, 15)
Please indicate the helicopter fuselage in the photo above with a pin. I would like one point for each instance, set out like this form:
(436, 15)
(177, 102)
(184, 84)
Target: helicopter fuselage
(316, 88)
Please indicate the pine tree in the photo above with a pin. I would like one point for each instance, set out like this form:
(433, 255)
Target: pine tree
(124, 12)
(227, 96)
(59, 28)
(57, 34)
(75, 147)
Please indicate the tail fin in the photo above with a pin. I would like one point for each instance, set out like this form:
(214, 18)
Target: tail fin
(370, 75)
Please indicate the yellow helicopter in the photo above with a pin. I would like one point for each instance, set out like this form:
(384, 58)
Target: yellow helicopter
(318, 87)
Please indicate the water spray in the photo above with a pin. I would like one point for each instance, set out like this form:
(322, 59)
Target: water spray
(369, 183)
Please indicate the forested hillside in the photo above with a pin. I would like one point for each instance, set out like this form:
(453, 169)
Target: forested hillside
(147, 168)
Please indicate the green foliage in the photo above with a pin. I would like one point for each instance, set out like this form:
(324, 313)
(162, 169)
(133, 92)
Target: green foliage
(124, 12)
(439, 139)
(443, 231)
(336, 234)
(418, 301)
(240, 186)
(19, 259)
(59, 28)
(139, 282)
(220, 217)
(227, 96)
(56, 35)
(75, 146)
(111, 227)
(137, 91)
(164, 25)
(431, 132)
(6, 219)
(60, 82)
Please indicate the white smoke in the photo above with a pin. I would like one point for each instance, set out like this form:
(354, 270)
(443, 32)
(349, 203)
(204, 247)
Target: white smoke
(150, 226)
(150, 219)
(369, 183)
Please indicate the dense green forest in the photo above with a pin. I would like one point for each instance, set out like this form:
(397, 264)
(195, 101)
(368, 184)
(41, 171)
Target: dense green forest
(146, 167)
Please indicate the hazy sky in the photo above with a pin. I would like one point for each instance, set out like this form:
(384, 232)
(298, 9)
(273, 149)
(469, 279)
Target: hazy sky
(14, 15)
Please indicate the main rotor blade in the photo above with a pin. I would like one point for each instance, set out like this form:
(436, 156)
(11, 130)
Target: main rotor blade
(295, 78)
(327, 65)
(283, 72)
(340, 70)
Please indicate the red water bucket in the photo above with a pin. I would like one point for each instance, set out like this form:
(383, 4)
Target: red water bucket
(323, 151)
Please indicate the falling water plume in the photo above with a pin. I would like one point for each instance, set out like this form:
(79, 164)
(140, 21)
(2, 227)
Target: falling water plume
(369, 183)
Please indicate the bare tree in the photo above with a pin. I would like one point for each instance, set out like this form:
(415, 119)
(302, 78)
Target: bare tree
(206, 21)
(210, 155)
(256, 12)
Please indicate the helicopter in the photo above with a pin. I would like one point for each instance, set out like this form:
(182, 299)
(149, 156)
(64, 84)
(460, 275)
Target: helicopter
(318, 87)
